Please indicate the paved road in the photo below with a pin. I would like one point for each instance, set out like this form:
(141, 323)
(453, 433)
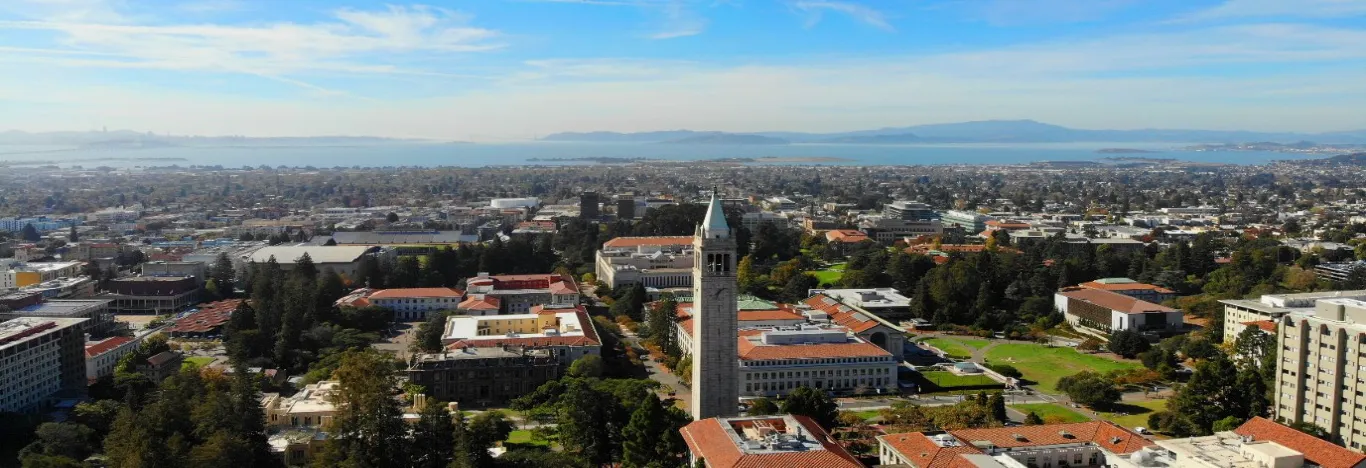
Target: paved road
(657, 371)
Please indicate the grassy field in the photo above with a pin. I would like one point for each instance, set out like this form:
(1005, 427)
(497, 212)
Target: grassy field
(1044, 365)
(953, 347)
(830, 275)
(200, 361)
(1051, 412)
(866, 415)
(948, 381)
(520, 437)
(1138, 412)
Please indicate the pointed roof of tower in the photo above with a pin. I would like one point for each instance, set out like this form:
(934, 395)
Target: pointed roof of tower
(714, 223)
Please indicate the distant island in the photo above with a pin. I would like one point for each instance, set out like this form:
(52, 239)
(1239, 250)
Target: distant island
(1123, 151)
(1307, 147)
(726, 139)
(594, 159)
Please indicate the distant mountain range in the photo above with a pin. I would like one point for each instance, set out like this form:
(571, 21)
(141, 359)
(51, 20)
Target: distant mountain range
(1352, 159)
(987, 131)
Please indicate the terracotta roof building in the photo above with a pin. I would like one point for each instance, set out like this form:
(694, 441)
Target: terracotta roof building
(776, 361)
(518, 293)
(861, 323)
(656, 262)
(845, 236)
(102, 356)
(410, 304)
(764, 441)
(1107, 312)
(1142, 291)
(208, 321)
(1094, 443)
(567, 332)
(1318, 451)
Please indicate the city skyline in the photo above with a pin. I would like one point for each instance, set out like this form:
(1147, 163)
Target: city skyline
(512, 70)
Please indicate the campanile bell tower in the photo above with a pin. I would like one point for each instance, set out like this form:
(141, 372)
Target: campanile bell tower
(715, 368)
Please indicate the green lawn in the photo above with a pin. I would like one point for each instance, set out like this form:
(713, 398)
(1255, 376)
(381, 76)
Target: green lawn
(866, 415)
(1138, 412)
(520, 437)
(1044, 365)
(947, 380)
(830, 275)
(200, 361)
(1051, 412)
(953, 348)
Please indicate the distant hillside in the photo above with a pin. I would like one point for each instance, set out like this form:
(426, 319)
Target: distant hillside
(989, 131)
(727, 139)
(1352, 159)
(877, 139)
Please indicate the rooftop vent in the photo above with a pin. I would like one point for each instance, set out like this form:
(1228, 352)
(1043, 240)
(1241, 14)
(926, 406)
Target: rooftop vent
(1019, 437)
(1066, 435)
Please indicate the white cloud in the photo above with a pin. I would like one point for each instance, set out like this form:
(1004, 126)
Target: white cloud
(353, 41)
(1280, 9)
(853, 10)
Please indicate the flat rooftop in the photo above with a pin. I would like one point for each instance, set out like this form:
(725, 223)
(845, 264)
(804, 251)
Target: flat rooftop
(16, 331)
(62, 307)
(1227, 450)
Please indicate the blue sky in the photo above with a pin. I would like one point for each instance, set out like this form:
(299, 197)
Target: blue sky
(500, 70)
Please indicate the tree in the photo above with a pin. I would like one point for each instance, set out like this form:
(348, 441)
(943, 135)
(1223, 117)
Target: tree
(997, 404)
(1211, 394)
(1032, 419)
(1089, 388)
(433, 437)
(651, 438)
(391, 217)
(67, 440)
(368, 430)
(428, 339)
(587, 366)
(73, 236)
(1128, 343)
(30, 233)
(1227, 424)
(588, 422)
(813, 403)
(762, 407)
(798, 287)
(224, 275)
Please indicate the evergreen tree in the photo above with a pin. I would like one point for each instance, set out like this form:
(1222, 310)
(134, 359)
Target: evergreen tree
(433, 437)
(484, 431)
(73, 236)
(428, 339)
(367, 431)
(644, 440)
(997, 403)
(224, 275)
(1032, 419)
(812, 403)
(798, 287)
(1211, 394)
(586, 422)
(762, 407)
(30, 233)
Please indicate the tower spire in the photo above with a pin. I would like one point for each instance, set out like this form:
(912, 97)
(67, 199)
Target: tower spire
(714, 224)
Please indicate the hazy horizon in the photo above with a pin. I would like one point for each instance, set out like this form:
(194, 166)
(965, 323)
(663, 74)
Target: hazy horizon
(513, 70)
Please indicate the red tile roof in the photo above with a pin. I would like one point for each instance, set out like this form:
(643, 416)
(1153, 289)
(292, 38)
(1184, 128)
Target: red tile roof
(556, 283)
(1102, 433)
(1266, 325)
(848, 236)
(1126, 287)
(708, 439)
(925, 453)
(105, 346)
(209, 317)
(922, 452)
(1115, 301)
(624, 242)
(480, 302)
(946, 248)
(842, 314)
(766, 315)
(752, 350)
(416, 292)
(1316, 450)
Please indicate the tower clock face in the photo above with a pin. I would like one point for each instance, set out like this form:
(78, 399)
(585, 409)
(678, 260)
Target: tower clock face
(718, 292)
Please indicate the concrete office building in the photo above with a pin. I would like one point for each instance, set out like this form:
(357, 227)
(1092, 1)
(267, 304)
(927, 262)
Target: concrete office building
(1241, 313)
(908, 211)
(343, 259)
(970, 222)
(198, 270)
(151, 294)
(40, 359)
(626, 207)
(589, 205)
(715, 370)
(1321, 373)
(656, 262)
(97, 313)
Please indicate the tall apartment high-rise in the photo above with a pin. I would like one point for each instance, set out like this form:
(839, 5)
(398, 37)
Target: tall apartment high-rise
(40, 359)
(626, 206)
(588, 205)
(1321, 374)
(715, 368)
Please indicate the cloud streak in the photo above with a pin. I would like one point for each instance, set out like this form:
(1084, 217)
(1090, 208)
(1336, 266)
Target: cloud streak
(856, 11)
